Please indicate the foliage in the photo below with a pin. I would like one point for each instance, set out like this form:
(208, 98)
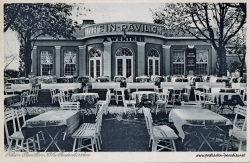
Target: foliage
(34, 20)
(215, 23)
(9, 73)
(233, 66)
(237, 45)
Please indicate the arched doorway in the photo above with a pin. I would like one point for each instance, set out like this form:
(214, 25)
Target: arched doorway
(124, 62)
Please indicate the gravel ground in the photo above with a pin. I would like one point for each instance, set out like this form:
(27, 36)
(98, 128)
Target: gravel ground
(128, 133)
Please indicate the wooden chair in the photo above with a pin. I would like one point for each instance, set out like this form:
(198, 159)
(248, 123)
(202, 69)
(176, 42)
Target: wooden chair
(205, 100)
(54, 95)
(243, 94)
(20, 112)
(70, 105)
(104, 103)
(239, 131)
(159, 134)
(86, 132)
(186, 93)
(131, 102)
(119, 94)
(162, 100)
(17, 134)
(33, 96)
(176, 95)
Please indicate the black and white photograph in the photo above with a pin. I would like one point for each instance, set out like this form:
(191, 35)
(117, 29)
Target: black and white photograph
(147, 78)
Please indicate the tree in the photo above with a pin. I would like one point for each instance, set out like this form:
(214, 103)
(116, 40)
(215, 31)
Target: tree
(34, 20)
(237, 45)
(215, 23)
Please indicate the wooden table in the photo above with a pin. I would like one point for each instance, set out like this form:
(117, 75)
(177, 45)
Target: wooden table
(197, 118)
(138, 95)
(54, 123)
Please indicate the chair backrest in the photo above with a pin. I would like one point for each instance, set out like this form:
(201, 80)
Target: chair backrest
(206, 89)
(164, 96)
(70, 105)
(167, 89)
(9, 115)
(187, 89)
(243, 93)
(149, 121)
(99, 120)
(146, 112)
(61, 97)
(20, 113)
(156, 89)
(240, 110)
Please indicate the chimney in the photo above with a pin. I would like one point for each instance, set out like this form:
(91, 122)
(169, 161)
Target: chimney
(87, 22)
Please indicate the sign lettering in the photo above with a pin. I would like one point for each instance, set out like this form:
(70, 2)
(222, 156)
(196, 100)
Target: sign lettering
(128, 27)
(190, 59)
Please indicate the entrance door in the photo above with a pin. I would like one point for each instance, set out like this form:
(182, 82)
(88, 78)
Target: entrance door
(124, 62)
(124, 66)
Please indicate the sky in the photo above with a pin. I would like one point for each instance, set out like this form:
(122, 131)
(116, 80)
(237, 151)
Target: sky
(100, 12)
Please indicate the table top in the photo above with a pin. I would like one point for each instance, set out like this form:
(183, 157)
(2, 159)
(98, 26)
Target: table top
(53, 118)
(82, 96)
(142, 77)
(68, 120)
(196, 117)
(10, 96)
(144, 92)
(85, 94)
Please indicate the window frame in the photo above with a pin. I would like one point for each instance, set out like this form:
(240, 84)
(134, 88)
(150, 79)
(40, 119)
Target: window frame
(154, 59)
(95, 59)
(53, 61)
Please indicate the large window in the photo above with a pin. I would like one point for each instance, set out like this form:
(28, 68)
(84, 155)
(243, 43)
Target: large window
(153, 62)
(70, 62)
(47, 62)
(95, 62)
(201, 62)
(124, 62)
(178, 59)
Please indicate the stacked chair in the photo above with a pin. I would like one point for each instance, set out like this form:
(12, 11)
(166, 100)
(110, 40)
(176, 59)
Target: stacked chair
(88, 135)
(162, 137)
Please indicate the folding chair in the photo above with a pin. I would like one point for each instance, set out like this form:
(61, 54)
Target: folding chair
(129, 102)
(17, 134)
(239, 131)
(162, 100)
(104, 103)
(88, 132)
(161, 136)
